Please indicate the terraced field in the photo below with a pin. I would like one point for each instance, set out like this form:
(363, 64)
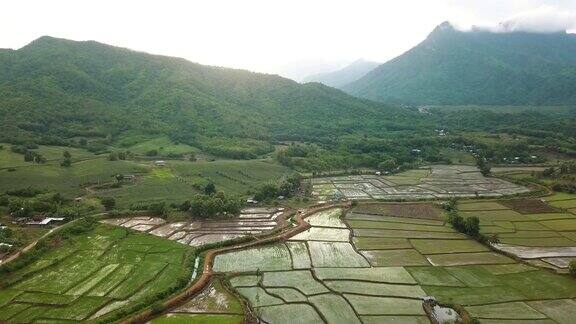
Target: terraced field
(439, 181)
(543, 232)
(251, 221)
(100, 276)
(382, 273)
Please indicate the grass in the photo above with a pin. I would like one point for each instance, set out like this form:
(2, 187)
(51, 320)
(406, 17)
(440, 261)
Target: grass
(54, 154)
(395, 258)
(163, 145)
(230, 176)
(68, 181)
(86, 272)
(425, 246)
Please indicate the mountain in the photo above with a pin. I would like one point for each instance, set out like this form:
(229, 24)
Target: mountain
(344, 76)
(54, 90)
(452, 67)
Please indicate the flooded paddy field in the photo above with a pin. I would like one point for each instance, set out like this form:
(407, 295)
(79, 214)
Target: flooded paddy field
(438, 181)
(385, 270)
(251, 221)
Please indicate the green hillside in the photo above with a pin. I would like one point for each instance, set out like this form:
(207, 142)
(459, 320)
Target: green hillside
(452, 67)
(54, 90)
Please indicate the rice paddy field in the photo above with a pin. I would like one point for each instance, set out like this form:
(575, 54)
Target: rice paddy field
(392, 259)
(251, 221)
(98, 276)
(436, 182)
(540, 231)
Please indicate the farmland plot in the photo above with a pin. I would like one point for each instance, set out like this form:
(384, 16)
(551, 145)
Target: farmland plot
(439, 181)
(93, 277)
(534, 230)
(383, 277)
(251, 221)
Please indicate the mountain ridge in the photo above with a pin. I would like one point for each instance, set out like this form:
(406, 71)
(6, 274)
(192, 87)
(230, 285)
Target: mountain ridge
(452, 67)
(61, 88)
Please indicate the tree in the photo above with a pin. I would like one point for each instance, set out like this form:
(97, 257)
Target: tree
(113, 156)
(67, 162)
(67, 154)
(472, 226)
(572, 268)
(108, 202)
(210, 189)
(387, 164)
(28, 156)
(152, 153)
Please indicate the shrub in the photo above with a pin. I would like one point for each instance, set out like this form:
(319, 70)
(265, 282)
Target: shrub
(108, 202)
(572, 268)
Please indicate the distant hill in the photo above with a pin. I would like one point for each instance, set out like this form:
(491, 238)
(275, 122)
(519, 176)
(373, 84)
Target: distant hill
(452, 67)
(344, 76)
(56, 89)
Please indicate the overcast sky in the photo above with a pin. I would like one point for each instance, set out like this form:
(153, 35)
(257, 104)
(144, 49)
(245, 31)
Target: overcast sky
(292, 38)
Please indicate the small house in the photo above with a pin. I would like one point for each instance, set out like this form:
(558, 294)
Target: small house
(45, 221)
(251, 201)
(160, 163)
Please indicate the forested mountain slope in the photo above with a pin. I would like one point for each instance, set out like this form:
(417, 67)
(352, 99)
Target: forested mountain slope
(55, 89)
(452, 67)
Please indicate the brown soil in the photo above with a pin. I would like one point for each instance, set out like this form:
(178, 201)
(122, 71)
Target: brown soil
(529, 206)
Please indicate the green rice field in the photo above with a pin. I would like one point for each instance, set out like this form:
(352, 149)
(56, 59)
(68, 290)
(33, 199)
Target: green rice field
(101, 276)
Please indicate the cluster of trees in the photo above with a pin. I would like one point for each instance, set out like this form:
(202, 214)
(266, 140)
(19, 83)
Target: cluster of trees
(287, 186)
(469, 225)
(29, 155)
(562, 176)
(213, 205)
(119, 155)
(30, 202)
(67, 161)
(8, 237)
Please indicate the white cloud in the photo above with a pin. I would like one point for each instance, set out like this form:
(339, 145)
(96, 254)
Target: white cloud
(544, 19)
(259, 35)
